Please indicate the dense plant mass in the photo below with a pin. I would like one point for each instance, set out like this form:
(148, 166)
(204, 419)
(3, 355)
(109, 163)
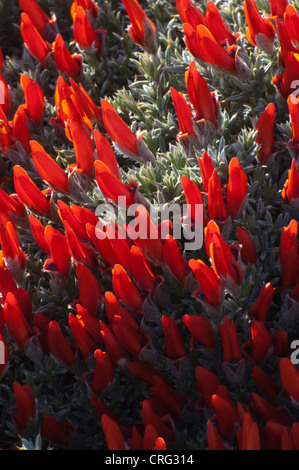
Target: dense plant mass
(116, 341)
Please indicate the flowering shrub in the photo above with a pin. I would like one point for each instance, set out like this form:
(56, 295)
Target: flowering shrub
(111, 340)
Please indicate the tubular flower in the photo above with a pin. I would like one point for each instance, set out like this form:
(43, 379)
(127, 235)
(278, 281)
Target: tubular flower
(90, 292)
(289, 377)
(194, 199)
(34, 98)
(102, 244)
(201, 330)
(5, 102)
(260, 344)
(284, 82)
(24, 412)
(124, 139)
(113, 307)
(217, 56)
(223, 261)
(90, 108)
(290, 191)
(67, 63)
(218, 28)
(15, 258)
(267, 411)
(58, 249)
(48, 169)
(165, 398)
(89, 6)
(12, 206)
(16, 321)
(33, 40)
(206, 168)
(237, 188)
(288, 255)
(213, 437)
(141, 30)
(286, 44)
(113, 434)
(90, 323)
(106, 153)
(186, 135)
(80, 252)
(231, 350)
(59, 346)
(248, 434)
(248, 251)
(149, 441)
(140, 269)
(20, 129)
(205, 104)
(115, 350)
(291, 21)
(270, 388)
(84, 35)
(125, 289)
(216, 206)
(45, 26)
(163, 426)
(83, 341)
(84, 149)
(174, 259)
(103, 373)
(261, 306)
(226, 415)
(189, 13)
(60, 433)
(174, 341)
(72, 215)
(112, 187)
(265, 137)
(210, 285)
(6, 137)
(260, 31)
(133, 341)
(207, 385)
(29, 193)
(278, 8)
(191, 42)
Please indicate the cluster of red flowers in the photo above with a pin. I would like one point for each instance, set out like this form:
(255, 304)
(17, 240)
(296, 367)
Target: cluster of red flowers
(70, 240)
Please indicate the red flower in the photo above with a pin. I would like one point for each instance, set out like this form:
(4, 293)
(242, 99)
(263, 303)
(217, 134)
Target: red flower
(206, 167)
(84, 35)
(20, 129)
(237, 188)
(174, 259)
(33, 40)
(38, 17)
(270, 388)
(213, 437)
(112, 187)
(113, 434)
(260, 32)
(90, 323)
(201, 330)
(29, 193)
(226, 415)
(125, 289)
(60, 433)
(140, 270)
(260, 344)
(291, 21)
(290, 189)
(141, 30)
(248, 434)
(90, 292)
(265, 137)
(288, 255)
(189, 13)
(284, 81)
(174, 341)
(83, 341)
(59, 251)
(289, 377)
(15, 258)
(106, 153)
(193, 197)
(89, 6)
(34, 98)
(67, 63)
(162, 426)
(24, 413)
(278, 7)
(208, 280)
(216, 206)
(286, 44)
(223, 261)
(207, 383)
(248, 251)
(113, 307)
(48, 169)
(103, 373)
(261, 306)
(115, 350)
(231, 350)
(59, 346)
(16, 321)
(218, 28)
(205, 103)
(80, 252)
(132, 340)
